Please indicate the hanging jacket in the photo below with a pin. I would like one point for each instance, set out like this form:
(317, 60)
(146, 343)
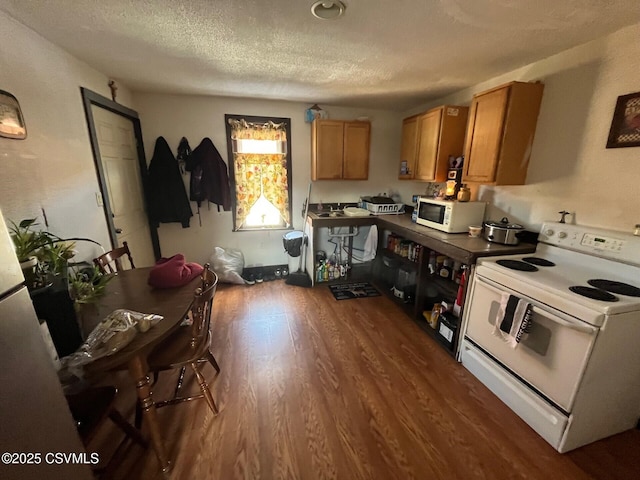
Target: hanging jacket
(209, 178)
(168, 200)
(184, 152)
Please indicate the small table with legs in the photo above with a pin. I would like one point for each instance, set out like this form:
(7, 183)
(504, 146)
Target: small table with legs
(129, 290)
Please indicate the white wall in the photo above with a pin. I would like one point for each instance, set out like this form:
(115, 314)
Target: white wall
(570, 167)
(196, 117)
(53, 167)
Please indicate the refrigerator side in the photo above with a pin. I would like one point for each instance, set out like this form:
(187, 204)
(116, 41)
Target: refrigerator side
(34, 415)
(10, 272)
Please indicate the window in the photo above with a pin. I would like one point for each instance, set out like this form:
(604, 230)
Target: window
(260, 166)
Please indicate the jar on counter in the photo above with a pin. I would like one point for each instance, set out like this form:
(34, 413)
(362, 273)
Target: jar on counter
(464, 194)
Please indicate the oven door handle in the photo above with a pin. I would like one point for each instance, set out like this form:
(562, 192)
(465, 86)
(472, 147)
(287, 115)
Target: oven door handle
(569, 324)
(564, 320)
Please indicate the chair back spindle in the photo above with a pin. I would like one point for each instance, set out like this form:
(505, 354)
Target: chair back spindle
(104, 261)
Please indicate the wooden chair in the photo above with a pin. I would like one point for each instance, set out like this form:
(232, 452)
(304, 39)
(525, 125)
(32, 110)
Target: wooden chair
(188, 347)
(90, 407)
(104, 261)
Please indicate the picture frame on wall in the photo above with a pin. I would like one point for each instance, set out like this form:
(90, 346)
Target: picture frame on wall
(625, 126)
(11, 120)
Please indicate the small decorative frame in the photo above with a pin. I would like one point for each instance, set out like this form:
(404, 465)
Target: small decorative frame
(11, 120)
(625, 126)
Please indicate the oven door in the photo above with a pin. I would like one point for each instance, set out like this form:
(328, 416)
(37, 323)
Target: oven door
(551, 358)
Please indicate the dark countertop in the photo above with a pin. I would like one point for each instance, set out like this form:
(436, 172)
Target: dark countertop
(458, 246)
(318, 221)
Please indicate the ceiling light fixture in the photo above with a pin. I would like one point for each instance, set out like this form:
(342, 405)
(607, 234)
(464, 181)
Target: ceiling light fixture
(328, 9)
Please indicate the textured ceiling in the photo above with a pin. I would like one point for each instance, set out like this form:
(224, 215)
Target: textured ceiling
(391, 54)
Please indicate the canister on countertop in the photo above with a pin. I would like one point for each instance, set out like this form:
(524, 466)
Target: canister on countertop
(464, 194)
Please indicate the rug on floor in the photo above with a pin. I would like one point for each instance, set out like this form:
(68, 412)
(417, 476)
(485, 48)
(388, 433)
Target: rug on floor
(348, 291)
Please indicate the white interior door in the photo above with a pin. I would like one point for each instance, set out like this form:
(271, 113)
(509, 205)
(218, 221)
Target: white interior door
(118, 154)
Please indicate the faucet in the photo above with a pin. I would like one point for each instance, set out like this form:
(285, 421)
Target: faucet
(563, 214)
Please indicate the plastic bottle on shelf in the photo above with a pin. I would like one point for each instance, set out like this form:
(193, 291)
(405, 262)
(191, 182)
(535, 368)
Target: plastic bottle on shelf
(456, 271)
(459, 302)
(390, 242)
(435, 313)
(445, 270)
(432, 262)
(319, 272)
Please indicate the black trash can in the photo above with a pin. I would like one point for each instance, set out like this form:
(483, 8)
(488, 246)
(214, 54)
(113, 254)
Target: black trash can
(292, 242)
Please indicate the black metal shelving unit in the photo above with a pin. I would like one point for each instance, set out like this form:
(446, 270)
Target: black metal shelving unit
(430, 288)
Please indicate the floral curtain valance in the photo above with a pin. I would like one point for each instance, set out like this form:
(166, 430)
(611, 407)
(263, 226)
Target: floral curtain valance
(243, 130)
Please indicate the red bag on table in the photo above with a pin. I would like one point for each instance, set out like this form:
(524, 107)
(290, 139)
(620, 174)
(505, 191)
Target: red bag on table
(173, 272)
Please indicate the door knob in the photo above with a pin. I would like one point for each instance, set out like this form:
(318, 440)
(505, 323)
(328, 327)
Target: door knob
(118, 230)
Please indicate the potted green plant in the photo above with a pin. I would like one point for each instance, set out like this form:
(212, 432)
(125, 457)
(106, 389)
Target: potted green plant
(87, 285)
(32, 249)
(44, 256)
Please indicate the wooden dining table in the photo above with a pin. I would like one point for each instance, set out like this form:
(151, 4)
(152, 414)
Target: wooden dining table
(129, 290)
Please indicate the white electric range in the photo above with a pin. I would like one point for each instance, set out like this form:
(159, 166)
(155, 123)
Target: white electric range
(575, 376)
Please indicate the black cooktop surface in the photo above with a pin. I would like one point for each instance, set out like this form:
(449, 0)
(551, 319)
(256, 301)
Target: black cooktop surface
(615, 287)
(541, 262)
(594, 293)
(517, 265)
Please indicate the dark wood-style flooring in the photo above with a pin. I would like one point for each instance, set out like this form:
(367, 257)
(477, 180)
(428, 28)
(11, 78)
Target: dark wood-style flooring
(313, 388)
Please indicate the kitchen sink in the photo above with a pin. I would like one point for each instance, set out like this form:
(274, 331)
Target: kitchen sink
(334, 213)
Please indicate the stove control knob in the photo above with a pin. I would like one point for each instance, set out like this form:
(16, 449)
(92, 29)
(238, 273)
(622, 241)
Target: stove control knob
(548, 232)
(562, 234)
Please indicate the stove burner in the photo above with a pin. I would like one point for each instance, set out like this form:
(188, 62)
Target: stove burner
(541, 262)
(615, 287)
(594, 293)
(517, 265)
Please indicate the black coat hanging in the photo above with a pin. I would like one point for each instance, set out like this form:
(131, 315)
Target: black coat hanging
(168, 201)
(184, 153)
(209, 177)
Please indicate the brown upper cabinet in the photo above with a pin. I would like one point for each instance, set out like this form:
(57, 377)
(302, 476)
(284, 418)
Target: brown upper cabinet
(428, 139)
(502, 123)
(340, 150)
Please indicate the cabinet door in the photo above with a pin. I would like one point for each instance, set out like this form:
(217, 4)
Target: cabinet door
(428, 141)
(409, 147)
(356, 151)
(484, 136)
(327, 149)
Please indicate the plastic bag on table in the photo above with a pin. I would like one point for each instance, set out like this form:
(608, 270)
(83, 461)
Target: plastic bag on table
(112, 334)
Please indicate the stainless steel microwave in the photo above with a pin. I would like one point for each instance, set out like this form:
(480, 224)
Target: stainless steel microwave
(449, 215)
